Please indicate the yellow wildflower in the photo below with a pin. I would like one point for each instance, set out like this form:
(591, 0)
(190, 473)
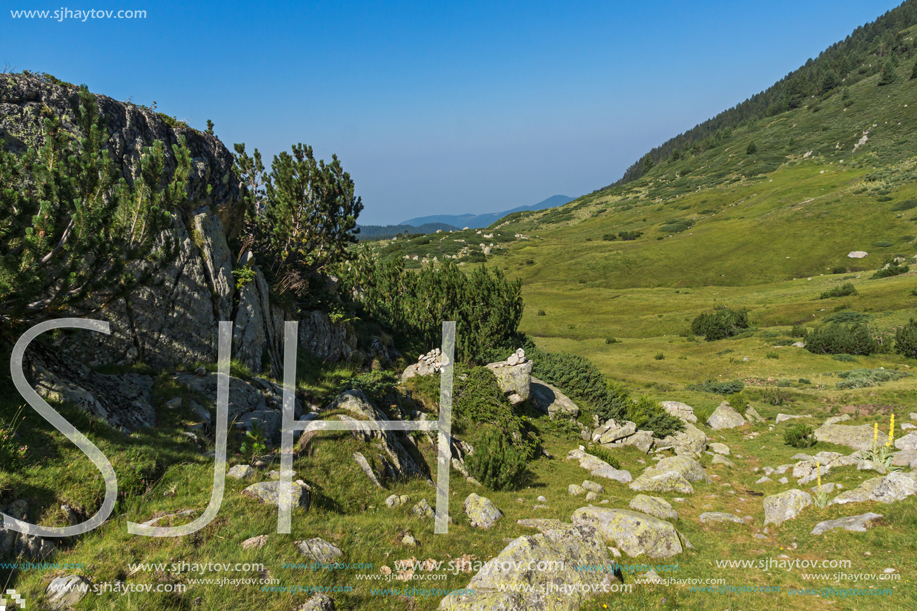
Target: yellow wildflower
(891, 431)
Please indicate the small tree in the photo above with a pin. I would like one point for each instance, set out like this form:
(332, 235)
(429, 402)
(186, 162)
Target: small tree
(751, 149)
(647, 164)
(303, 214)
(71, 227)
(495, 462)
(830, 81)
(888, 73)
(906, 340)
(914, 71)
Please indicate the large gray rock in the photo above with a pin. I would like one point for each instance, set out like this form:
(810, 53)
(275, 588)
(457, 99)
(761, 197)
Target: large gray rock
(598, 467)
(654, 506)
(785, 506)
(687, 467)
(665, 481)
(514, 380)
(611, 432)
(501, 582)
(895, 486)
(713, 517)
(319, 602)
(66, 591)
(852, 523)
(907, 443)
(856, 437)
(549, 400)
(725, 417)
(481, 511)
(680, 410)
(632, 532)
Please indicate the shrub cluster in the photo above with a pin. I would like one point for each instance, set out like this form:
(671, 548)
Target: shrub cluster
(720, 324)
(892, 269)
(865, 378)
(495, 462)
(719, 388)
(800, 436)
(843, 290)
(838, 338)
(906, 340)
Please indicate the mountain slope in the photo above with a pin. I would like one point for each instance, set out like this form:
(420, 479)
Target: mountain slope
(477, 221)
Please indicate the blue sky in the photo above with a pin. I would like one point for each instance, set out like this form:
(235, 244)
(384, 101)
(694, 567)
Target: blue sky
(440, 108)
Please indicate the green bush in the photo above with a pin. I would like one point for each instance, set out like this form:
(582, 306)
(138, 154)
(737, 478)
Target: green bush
(772, 355)
(611, 340)
(606, 455)
(866, 378)
(659, 356)
(609, 237)
(495, 462)
(841, 339)
(751, 149)
(738, 401)
(774, 396)
(843, 290)
(650, 416)
(798, 331)
(846, 317)
(800, 436)
(541, 313)
(906, 340)
(719, 388)
(839, 270)
(905, 205)
(891, 270)
(375, 384)
(805, 381)
(721, 323)
(477, 399)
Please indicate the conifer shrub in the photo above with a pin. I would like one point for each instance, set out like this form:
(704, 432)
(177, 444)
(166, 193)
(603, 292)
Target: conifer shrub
(838, 338)
(891, 270)
(720, 324)
(906, 340)
(800, 436)
(719, 388)
(844, 290)
(495, 462)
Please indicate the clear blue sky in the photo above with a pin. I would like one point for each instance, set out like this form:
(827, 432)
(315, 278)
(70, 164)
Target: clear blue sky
(440, 108)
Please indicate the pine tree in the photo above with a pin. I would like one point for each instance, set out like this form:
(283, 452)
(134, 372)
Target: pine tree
(888, 73)
(914, 71)
(751, 149)
(74, 235)
(647, 164)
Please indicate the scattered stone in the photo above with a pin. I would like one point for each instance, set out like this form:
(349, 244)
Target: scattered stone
(720, 448)
(722, 460)
(481, 511)
(409, 540)
(667, 481)
(575, 490)
(784, 480)
(852, 523)
(907, 443)
(423, 509)
(319, 602)
(549, 400)
(255, 542)
(598, 467)
(269, 493)
(785, 506)
(173, 403)
(396, 500)
(593, 487)
(543, 524)
(895, 486)
(654, 506)
(691, 439)
(764, 480)
(753, 415)
(711, 517)
(785, 417)
(541, 499)
(591, 496)
(318, 550)
(513, 379)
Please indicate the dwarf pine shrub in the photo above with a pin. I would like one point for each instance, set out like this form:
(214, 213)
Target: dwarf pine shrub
(495, 462)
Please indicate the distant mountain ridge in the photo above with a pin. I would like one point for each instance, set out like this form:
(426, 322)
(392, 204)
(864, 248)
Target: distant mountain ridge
(477, 221)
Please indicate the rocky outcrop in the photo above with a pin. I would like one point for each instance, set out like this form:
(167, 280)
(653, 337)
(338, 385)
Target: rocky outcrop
(654, 506)
(893, 487)
(691, 439)
(785, 506)
(682, 411)
(15, 544)
(499, 583)
(269, 493)
(175, 318)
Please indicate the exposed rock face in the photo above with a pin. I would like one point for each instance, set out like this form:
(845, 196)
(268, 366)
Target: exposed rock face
(566, 588)
(14, 544)
(175, 319)
(785, 506)
(852, 523)
(856, 437)
(725, 417)
(481, 511)
(395, 457)
(551, 401)
(632, 532)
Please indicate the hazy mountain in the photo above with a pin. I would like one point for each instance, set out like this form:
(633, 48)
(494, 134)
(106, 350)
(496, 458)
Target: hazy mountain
(475, 221)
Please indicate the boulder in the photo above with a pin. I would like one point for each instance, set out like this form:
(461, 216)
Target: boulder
(423, 510)
(514, 380)
(575, 490)
(907, 443)
(680, 410)
(501, 582)
(632, 532)
(725, 417)
(549, 400)
(66, 591)
(852, 523)
(319, 602)
(691, 439)
(593, 487)
(712, 517)
(785, 417)
(642, 440)
(856, 437)
(319, 550)
(785, 506)
(687, 467)
(752, 415)
(654, 506)
(722, 460)
(720, 448)
(666, 481)
(481, 511)
(895, 486)
(614, 433)
(543, 524)
(397, 500)
(269, 493)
